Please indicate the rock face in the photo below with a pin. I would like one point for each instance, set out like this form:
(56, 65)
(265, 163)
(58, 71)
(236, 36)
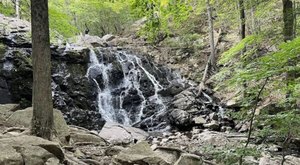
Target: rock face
(75, 93)
(72, 92)
(93, 83)
(189, 109)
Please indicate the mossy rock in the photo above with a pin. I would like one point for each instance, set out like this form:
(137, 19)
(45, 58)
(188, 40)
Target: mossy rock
(2, 50)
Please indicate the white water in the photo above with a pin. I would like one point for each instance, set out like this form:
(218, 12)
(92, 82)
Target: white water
(133, 70)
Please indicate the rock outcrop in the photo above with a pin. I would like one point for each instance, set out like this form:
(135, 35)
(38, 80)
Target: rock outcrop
(72, 92)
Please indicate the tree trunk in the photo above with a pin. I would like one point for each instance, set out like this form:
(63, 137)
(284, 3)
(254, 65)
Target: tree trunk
(17, 9)
(42, 120)
(288, 19)
(288, 34)
(211, 34)
(242, 19)
(211, 62)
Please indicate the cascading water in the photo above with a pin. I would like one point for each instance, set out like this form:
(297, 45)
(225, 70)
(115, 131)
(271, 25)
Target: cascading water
(125, 102)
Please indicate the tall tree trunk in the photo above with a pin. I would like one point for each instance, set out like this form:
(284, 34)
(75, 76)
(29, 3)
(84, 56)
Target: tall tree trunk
(211, 62)
(42, 120)
(288, 34)
(288, 19)
(211, 34)
(242, 19)
(253, 21)
(17, 5)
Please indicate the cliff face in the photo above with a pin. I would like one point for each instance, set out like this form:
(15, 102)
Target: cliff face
(72, 92)
(100, 79)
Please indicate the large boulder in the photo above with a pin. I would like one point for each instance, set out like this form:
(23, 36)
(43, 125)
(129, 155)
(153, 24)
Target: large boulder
(80, 135)
(22, 118)
(120, 134)
(29, 150)
(180, 118)
(184, 100)
(170, 155)
(140, 153)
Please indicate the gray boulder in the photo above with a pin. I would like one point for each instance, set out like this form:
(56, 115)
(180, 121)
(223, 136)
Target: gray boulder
(81, 135)
(140, 153)
(29, 150)
(180, 118)
(22, 118)
(120, 134)
(183, 100)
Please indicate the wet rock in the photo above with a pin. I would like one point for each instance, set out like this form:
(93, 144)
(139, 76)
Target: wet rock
(85, 118)
(173, 89)
(140, 153)
(180, 118)
(76, 55)
(184, 100)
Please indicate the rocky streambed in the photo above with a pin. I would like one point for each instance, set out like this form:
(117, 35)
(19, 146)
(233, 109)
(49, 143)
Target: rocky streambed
(117, 144)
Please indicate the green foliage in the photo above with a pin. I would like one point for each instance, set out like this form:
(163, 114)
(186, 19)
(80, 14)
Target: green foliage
(7, 9)
(231, 154)
(162, 16)
(282, 126)
(272, 65)
(71, 18)
(238, 48)
(59, 22)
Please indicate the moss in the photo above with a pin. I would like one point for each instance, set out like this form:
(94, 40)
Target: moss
(6, 9)
(2, 50)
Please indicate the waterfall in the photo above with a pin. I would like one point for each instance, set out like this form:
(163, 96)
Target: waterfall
(114, 100)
